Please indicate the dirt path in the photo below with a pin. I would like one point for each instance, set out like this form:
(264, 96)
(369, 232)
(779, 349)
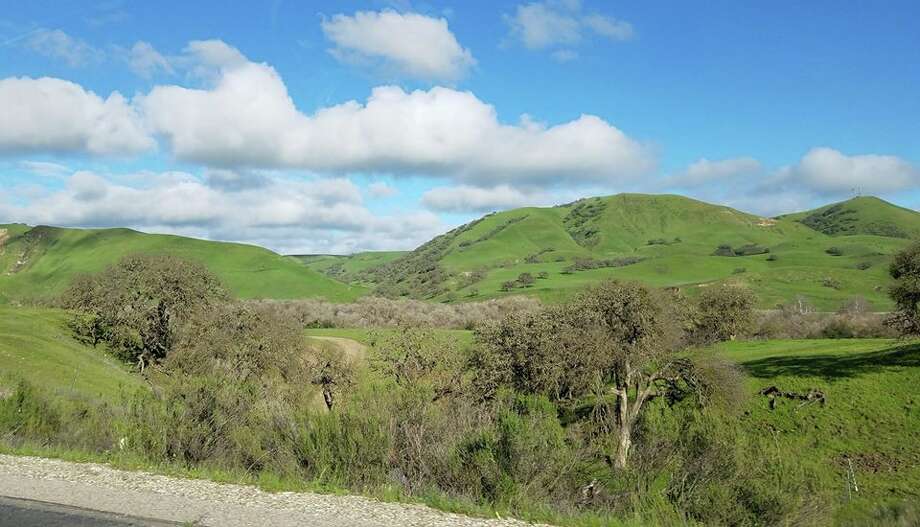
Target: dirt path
(352, 349)
(199, 502)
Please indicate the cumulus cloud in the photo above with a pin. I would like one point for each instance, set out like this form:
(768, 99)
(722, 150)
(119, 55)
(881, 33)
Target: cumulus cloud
(321, 215)
(823, 174)
(560, 23)
(145, 61)
(828, 171)
(247, 119)
(465, 198)
(56, 44)
(406, 43)
(53, 115)
(704, 171)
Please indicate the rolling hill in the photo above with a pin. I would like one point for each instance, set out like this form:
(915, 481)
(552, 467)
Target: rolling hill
(39, 262)
(662, 240)
(862, 215)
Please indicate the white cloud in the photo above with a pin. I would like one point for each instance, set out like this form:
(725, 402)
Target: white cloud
(540, 25)
(56, 44)
(379, 189)
(290, 216)
(464, 198)
(408, 43)
(145, 61)
(828, 171)
(609, 27)
(823, 174)
(248, 119)
(704, 171)
(549, 24)
(54, 115)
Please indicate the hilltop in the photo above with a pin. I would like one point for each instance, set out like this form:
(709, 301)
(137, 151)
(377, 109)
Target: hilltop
(661, 240)
(39, 262)
(862, 215)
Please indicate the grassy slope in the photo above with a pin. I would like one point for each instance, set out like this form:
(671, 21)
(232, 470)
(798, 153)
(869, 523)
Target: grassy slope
(862, 215)
(629, 221)
(53, 256)
(37, 346)
(346, 265)
(872, 413)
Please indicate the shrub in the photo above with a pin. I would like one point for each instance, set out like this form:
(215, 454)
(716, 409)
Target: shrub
(723, 313)
(905, 270)
(525, 279)
(724, 250)
(137, 305)
(834, 251)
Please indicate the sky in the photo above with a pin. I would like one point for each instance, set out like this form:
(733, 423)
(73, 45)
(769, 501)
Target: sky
(336, 127)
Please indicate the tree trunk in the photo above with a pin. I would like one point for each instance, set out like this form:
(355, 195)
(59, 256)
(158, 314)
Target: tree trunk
(623, 446)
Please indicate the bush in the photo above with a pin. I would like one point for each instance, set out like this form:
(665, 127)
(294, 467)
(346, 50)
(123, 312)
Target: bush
(138, 305)
(723, 313)
(377, 312)
(525, 279)
(834, 251)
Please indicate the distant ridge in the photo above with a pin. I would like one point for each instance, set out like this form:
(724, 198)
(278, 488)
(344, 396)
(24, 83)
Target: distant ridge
(862, 215)
(39, 262)
(827, 255)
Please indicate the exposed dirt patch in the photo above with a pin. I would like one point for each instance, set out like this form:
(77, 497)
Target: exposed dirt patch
(872, 462)
(353, 350)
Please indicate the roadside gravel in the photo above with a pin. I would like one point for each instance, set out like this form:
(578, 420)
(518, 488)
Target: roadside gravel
(202, 502)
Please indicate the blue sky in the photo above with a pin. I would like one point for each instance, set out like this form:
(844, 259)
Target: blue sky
(344, 126)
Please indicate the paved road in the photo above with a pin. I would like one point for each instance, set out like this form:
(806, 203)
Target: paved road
(29, 513)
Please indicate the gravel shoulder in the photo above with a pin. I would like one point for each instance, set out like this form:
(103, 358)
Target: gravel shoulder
(200, 502)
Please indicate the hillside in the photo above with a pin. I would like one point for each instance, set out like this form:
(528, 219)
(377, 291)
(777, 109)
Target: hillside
(347, 267)
(665, 241)
(38, 262)
(37, 346)
(862, 215)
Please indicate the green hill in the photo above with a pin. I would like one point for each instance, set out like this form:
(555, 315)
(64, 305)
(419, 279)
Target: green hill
(347, 267)
(662, 240)
(37, 346)
(862, 215)
(38, 262)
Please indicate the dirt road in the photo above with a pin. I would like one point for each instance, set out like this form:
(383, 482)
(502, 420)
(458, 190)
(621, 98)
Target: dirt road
(198, 502)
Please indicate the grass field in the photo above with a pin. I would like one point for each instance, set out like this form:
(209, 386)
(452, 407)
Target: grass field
(37, 346)
(872, 415)
(675, 239)
(40, 262)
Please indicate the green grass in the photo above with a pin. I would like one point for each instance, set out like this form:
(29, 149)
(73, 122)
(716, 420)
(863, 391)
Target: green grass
(37, 346)
(347, 265)
(40, 262)
(536, 240)
(872, 413)
(862, 215)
